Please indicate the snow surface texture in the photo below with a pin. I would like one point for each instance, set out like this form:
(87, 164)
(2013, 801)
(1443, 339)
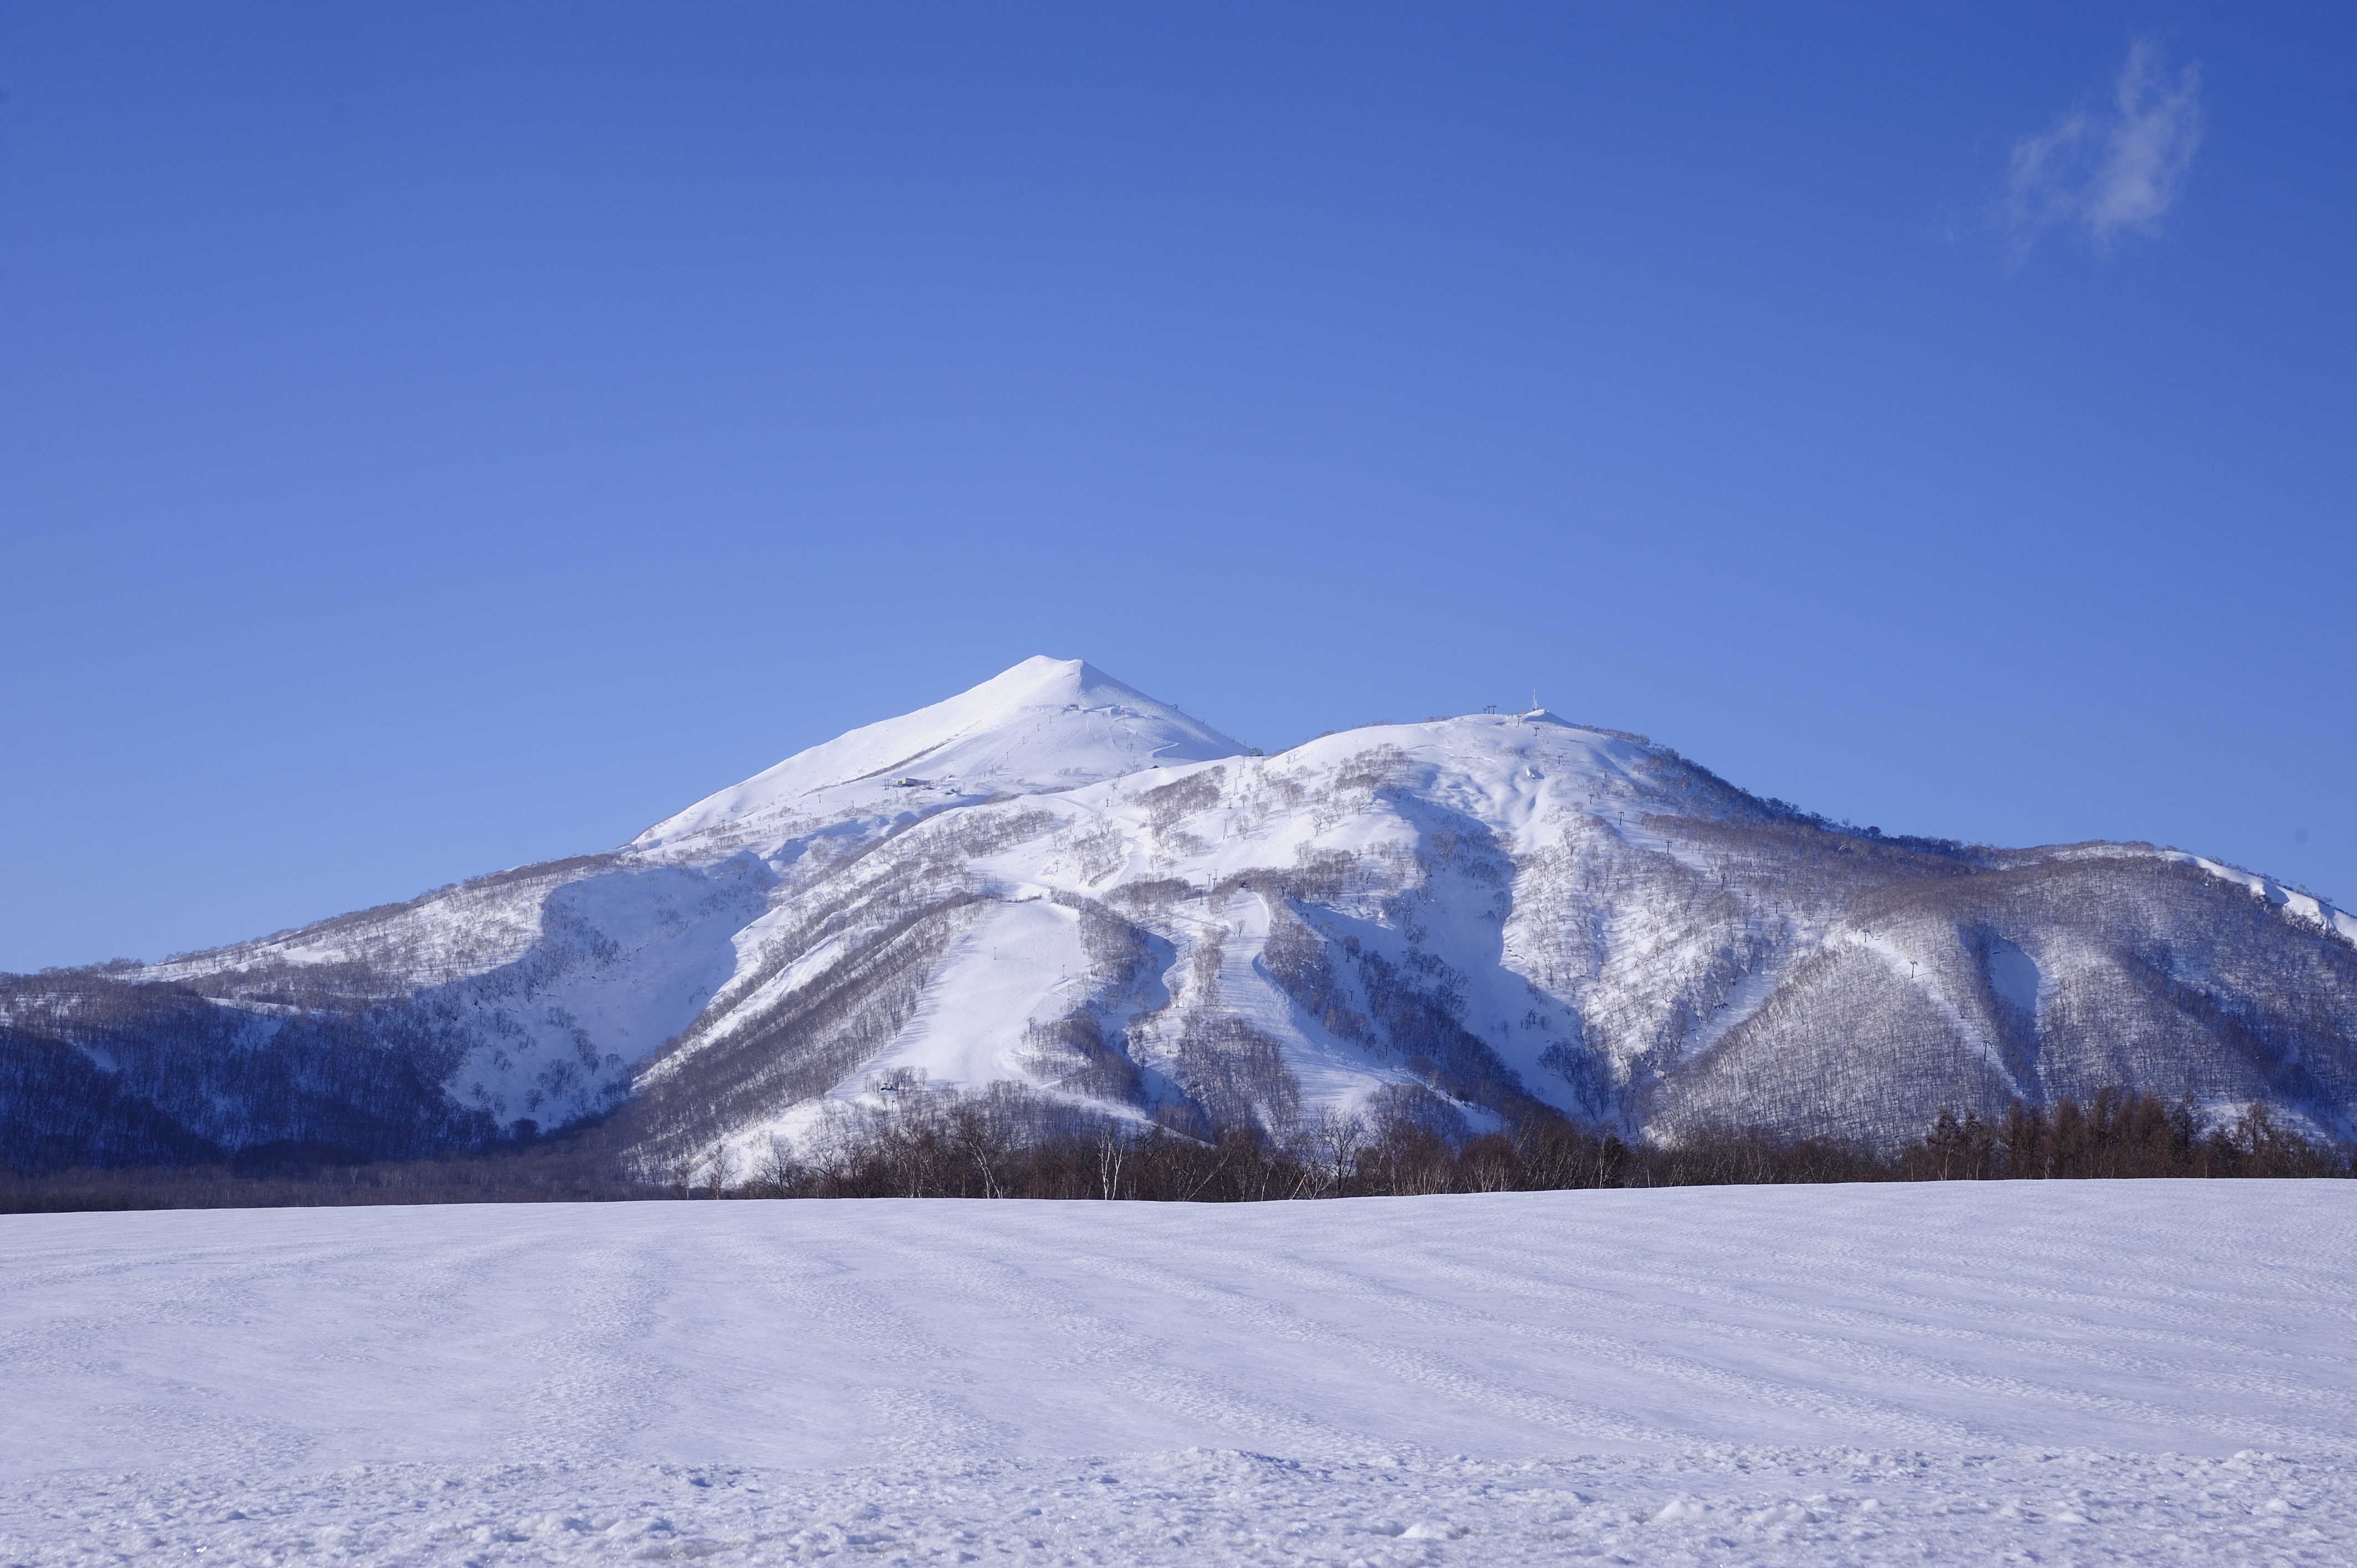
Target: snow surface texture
(2089, 1372)
(1056, 881)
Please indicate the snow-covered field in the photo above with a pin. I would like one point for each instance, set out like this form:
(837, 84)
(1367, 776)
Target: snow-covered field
(2059, 1372)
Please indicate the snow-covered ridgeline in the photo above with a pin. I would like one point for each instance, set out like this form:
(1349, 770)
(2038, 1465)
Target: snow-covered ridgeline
(2299, 906)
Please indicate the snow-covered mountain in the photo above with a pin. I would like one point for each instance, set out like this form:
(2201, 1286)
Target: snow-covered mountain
(1055, 881)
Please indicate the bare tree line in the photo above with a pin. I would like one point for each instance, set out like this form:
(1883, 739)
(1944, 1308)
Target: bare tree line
(1005, 1142)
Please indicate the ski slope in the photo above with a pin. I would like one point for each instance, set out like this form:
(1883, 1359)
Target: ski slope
(2127, 1372)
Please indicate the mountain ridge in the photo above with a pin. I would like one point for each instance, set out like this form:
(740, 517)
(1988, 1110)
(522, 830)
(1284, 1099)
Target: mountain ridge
(1055, 882)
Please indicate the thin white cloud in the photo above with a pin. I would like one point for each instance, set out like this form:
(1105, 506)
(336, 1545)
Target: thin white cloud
(2111, 169)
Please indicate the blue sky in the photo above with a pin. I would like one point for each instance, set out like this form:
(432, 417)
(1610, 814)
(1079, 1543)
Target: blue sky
(436, 438)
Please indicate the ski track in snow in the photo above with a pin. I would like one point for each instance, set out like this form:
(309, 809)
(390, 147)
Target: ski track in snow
(2090, 1372)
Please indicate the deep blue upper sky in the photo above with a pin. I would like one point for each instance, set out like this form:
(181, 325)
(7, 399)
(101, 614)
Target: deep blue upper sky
(433, 438)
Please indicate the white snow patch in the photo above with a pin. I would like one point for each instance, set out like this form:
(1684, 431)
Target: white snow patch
(1020, 965)
(2015, 976)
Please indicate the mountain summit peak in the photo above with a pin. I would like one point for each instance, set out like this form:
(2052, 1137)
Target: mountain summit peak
(1044, 724)
(1039, 681)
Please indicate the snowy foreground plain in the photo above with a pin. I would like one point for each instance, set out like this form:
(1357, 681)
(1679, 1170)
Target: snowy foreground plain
(2038, 1371)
